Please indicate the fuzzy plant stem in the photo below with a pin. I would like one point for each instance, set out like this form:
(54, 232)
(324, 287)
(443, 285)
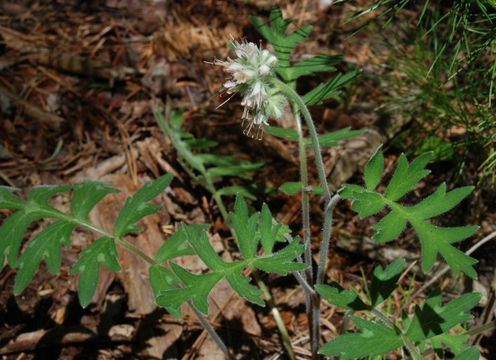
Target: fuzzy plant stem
(305, 198)
(299, 104)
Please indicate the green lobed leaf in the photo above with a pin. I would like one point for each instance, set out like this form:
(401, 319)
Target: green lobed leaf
(374, 339)
(199, 242)
(12, 232)
(269, 229)
(319, 63)
(245, 228)
(196, 289)
(86, 195)
(384, 281)
(406, 176)
(434, 239)
(282, 261)
(337, 295)
(242, 170)
(161, 280)
(374, 169)
(276, 34)
(472, 353)
(241, 284)
(236, 190)
(175, 246)
(8, 200)
(455, 342)
(41, 194)
(46, 245)
(330, 89)
(433, 319)
(138, 206)
(101, 252)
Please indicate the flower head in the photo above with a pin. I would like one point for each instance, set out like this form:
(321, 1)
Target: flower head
(250, 75)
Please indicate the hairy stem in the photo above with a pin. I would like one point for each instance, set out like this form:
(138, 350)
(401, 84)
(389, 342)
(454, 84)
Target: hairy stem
(319, 162)
(305, 198)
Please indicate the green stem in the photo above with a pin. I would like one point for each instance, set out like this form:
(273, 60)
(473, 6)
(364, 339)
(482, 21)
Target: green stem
(319, 162)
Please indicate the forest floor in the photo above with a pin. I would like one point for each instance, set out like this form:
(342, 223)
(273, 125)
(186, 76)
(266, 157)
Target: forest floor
(79, 82)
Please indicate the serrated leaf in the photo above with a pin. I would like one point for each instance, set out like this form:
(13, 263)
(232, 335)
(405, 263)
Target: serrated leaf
(291, 187)
(162, 279)
(472, 353)
(8, 200)
(390, 227)
(276, 34)
(337, 295)
(440, 201)
(329, 90)
(245, 228)
(406, 176)
(319, 63)
(269, 229)
(138, 206)
(46, 245)
(101, 252)
(197, 238)
(282, 261)
(283, 133)
(384, 281)
(433, 319)
(242, 170)
(41, 194)
(85, 197)
(455, 342)
(11, 234)
(374, 169)
(434, 239)
(241, 284)
(196, 288)
(175, 246)
(365, 203)
(374, 339)
(332, 139)
(236, 190)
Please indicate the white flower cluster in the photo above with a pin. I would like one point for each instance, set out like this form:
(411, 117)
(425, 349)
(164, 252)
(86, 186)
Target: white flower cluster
(251, 72)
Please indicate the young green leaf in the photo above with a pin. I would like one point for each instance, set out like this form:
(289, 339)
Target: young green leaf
(337, 295)
(384, 281)
(374, 339)
(85, 197)
(175, 246)
(472, 353)
(374, 170)
(276, 35)
(434, 239)
(101, 252)
(162, 279)
(282, 261)
(319, 63)
(8, 200)
(406, 176)
(269, 229)
(138, 206)
(241, 284)
(196, 288)
(236, 190)
(434, 319)
(46, 245)
(245, 228)
(455, 342)
(330, 89)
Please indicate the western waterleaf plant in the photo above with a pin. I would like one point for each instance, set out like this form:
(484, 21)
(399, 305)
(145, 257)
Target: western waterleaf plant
(267, 82)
